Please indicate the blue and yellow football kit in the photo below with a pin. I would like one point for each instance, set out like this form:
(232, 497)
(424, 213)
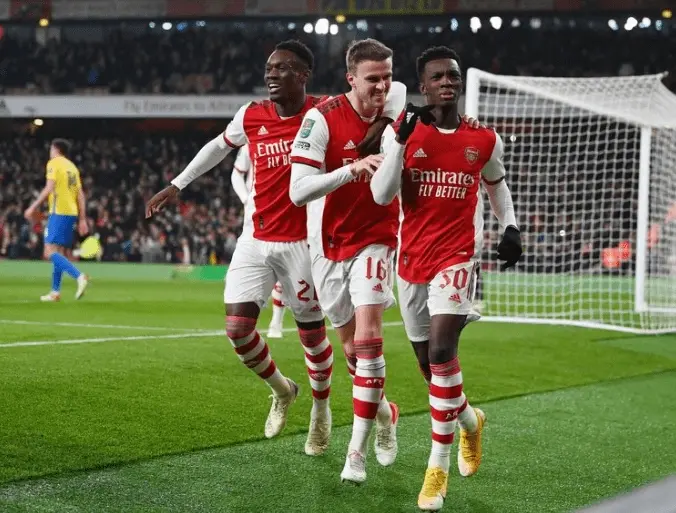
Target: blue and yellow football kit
(63, 214)
(63, 207)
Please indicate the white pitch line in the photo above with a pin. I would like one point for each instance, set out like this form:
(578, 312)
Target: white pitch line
(109, 339)
(108, 326)
(140, 337)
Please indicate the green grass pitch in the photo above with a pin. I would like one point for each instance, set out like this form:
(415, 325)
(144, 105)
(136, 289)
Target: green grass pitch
(132, 400)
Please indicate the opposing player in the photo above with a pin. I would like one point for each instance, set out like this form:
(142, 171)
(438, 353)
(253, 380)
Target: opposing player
(352, 240)
(273, 245)
(434, 163)
(242, 180)
(66, 209)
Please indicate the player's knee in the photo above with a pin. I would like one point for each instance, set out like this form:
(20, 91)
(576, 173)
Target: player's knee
(442, 350)
(441, 355)
(369, 322)
(238, 328)
(421, 350)
(311, 327)
(349, 351)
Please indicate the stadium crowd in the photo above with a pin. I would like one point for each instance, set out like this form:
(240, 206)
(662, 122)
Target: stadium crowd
(219, 60)
(119, 176)
(120, 173)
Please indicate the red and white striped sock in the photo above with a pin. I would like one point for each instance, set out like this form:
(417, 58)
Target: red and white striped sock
(446, 399)
(384, 415)
(254, 352)
(319, 362)
(367, 390)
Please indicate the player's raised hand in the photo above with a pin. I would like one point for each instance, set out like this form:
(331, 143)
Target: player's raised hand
(366, 166)
(370, 144)
(166, 195)
(411, 116)
(509, 248)
(474, 123)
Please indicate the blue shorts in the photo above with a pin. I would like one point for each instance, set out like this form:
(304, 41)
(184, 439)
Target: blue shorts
(60, 230)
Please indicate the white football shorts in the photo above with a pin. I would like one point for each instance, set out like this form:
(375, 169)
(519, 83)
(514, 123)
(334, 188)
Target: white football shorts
(365, 279)
(257, 265)
(450, 292)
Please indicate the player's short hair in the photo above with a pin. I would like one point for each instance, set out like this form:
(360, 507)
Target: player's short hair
(62, 145)
(435, 53)
(366, 50)
(300, 49)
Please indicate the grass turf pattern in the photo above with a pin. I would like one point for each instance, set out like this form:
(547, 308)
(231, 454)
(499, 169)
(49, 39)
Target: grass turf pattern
(69, 407)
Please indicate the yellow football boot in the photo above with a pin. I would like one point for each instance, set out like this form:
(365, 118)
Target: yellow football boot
(469, 452)
(433, 493)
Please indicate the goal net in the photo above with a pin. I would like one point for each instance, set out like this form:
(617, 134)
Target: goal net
(591, 163)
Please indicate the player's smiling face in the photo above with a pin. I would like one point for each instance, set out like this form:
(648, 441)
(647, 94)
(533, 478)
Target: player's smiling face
(442, 82)
(372, 81)
(285, 75)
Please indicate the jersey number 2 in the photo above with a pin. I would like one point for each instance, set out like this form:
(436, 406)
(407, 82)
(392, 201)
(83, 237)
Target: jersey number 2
(304, 290)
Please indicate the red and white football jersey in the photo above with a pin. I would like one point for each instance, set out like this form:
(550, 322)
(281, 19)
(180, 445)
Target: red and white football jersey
(269, 214)
(441, 204)
(346, 220)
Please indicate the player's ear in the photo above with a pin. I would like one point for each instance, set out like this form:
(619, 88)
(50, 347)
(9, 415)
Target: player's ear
(423, 89)
(350, 79)
(304, 76)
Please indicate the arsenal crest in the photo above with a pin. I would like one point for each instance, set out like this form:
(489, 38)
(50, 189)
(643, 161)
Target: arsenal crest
(471, 154)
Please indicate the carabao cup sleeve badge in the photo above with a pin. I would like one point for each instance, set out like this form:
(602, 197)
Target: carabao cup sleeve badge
(307, 127)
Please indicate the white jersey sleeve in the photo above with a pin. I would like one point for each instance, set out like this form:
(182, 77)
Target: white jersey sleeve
(499, 195)
(386, 181)
(234, 134)
(240, 173)
(309, 181)
(213, 152)
(309, 146)
(395, 101)
(389, 136)
(243, 160)
(494, 170)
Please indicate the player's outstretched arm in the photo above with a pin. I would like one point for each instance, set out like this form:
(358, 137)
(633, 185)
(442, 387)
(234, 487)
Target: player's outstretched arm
(386, 181)
(211, 154)
(500, 197)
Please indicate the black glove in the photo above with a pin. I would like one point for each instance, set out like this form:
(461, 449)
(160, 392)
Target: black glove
(509, 248)
(411, 116)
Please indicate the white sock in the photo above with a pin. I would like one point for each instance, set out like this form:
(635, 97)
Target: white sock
(361, 429)
(384, 415)
(320, 407)
(468, 420)
(440, 456)
(277, 315)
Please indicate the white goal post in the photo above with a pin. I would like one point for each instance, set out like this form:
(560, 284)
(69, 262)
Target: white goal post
(591, 163)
